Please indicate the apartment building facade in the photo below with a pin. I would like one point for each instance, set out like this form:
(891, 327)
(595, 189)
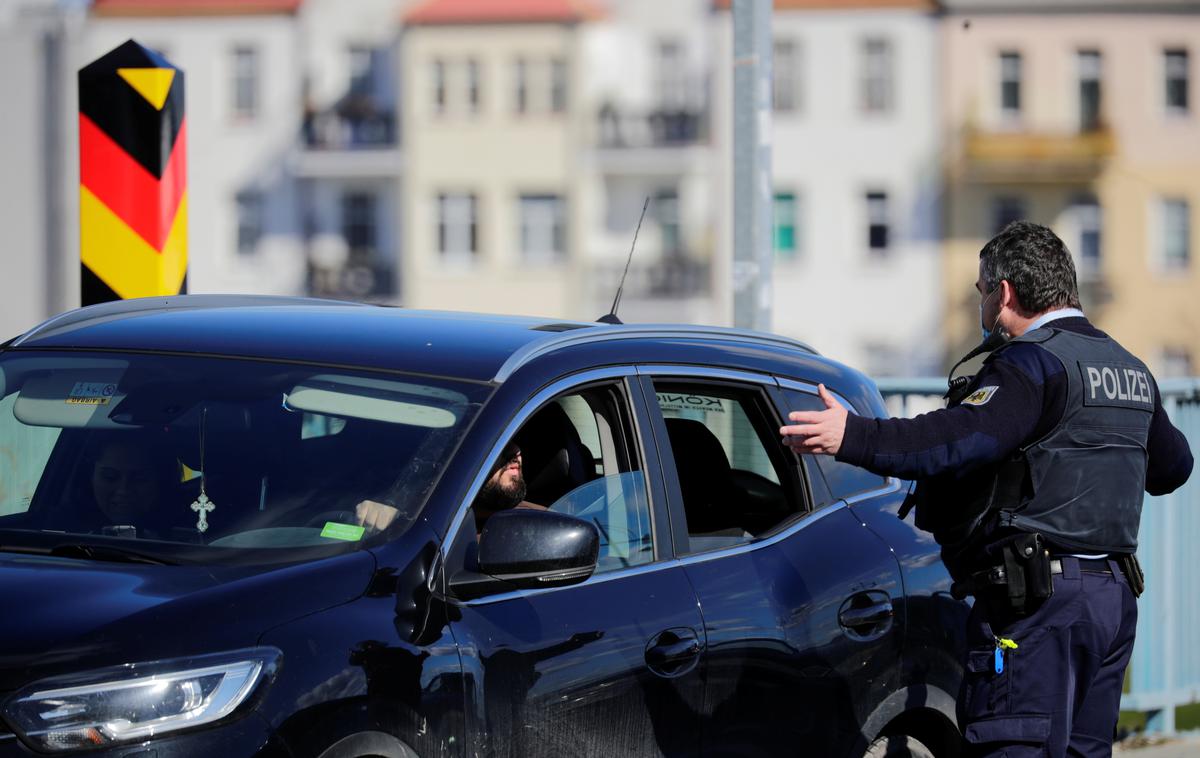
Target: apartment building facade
(1080, 115)
(855, 138)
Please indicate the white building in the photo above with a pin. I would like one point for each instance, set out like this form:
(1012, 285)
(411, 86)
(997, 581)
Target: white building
(648, 136)
(856, 178)
(243, 92)
(39, 260)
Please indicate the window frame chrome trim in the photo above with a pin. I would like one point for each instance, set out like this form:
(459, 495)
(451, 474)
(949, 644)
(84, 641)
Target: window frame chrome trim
(685, 371)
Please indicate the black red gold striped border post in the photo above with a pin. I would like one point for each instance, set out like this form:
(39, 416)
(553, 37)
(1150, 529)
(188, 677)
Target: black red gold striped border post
(132, 176)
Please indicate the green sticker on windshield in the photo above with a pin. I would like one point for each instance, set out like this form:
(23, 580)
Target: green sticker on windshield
(337, 531)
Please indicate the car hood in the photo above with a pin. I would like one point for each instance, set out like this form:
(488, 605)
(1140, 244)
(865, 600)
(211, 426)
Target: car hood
(65, 615)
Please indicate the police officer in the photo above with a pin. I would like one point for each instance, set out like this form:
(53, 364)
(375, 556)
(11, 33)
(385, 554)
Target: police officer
(1032, 482)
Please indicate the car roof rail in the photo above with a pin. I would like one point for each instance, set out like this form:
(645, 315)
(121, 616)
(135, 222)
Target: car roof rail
(118, 308)
(608, 332)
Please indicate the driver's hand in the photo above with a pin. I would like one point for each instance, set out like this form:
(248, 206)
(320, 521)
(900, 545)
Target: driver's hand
(374, 516)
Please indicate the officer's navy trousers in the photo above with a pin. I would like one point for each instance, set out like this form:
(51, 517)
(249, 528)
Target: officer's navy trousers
(1060, 690)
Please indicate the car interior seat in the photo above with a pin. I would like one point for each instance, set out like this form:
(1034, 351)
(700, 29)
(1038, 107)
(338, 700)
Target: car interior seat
(555, 461)
(711, 500)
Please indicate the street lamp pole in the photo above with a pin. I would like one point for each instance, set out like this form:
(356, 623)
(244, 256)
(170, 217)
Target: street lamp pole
(753, 246)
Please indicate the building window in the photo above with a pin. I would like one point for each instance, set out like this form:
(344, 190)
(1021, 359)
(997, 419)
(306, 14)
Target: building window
(785, 89)
(1010, 85)
(784, 211)
(364, 62)
(558, 85)
(250, 220)
(360, 221)
(438, 74)
(1176, 233)
(1175, 64)
(877, 75)
(1089, 64)
(543, 228)
(521, 85)
(473, 85)
(670, 76)
(666, 213)
(1005, 210)
(878, 231)
(245, 82)
(458, 227)
(1087, 214)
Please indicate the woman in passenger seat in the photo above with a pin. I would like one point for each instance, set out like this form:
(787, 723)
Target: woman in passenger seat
(131, 483)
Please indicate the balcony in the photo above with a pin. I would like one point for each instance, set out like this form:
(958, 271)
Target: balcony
(657, 142)
(356, 139)
(673, 277)
(362, 276)
(994, 157)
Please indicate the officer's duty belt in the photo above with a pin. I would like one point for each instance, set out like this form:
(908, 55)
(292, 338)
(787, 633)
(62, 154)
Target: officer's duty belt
(996, 576)
(1090, 565)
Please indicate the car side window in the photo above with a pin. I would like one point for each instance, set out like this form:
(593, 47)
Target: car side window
(843, 479)
(579, 457)
(734, 477)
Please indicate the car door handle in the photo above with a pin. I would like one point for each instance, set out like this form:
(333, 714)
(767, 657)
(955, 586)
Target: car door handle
(869, 616)
(673, 652)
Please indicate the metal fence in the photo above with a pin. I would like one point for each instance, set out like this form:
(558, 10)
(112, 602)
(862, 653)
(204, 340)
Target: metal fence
(1165, 671)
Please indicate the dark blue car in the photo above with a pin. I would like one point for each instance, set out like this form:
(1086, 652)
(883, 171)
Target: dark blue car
(243, 526)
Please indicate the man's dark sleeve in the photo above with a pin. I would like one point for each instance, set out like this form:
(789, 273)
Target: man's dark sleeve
(1169, 457)
(958, 439)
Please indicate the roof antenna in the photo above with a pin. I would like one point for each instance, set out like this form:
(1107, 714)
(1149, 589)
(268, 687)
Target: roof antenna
(611, 316)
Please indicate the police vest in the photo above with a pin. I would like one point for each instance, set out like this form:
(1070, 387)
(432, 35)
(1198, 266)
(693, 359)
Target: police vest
(1085, 479)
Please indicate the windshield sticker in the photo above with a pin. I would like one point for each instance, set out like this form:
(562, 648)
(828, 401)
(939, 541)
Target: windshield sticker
(980, 396)
(91, 393)
(336, 531)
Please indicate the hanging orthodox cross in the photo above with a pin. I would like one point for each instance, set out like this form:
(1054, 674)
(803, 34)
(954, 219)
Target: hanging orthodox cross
(202, 506)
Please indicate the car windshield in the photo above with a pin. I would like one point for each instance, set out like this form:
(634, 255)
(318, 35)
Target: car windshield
(166, 458)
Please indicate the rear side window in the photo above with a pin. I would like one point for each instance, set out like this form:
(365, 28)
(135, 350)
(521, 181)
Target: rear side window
(734, 476)
(843, 479)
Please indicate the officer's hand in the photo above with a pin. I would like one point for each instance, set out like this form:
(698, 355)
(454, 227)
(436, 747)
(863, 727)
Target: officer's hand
(817, 431)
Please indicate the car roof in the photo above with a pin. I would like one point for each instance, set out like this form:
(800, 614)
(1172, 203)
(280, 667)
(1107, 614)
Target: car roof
(472, 346)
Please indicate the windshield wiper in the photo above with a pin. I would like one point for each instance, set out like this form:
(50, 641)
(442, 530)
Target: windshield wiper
(109, 553)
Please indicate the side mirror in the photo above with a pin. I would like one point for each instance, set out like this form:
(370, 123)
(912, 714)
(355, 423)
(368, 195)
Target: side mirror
(531, 549)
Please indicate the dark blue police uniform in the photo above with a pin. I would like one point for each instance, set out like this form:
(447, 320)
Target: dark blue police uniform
(1059, 435)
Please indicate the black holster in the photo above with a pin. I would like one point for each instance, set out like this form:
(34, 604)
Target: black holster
(1017, 579)
(1133, 573)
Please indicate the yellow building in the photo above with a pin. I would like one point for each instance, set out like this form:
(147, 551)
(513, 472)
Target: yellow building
(1083, 118)
(491, 123)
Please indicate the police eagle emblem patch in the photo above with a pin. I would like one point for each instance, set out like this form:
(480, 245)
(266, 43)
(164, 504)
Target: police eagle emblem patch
(980, 396)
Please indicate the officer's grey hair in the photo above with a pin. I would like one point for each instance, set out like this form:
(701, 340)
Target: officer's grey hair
(1035, 262)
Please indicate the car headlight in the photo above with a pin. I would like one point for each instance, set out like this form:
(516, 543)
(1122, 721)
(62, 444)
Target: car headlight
(138, 701)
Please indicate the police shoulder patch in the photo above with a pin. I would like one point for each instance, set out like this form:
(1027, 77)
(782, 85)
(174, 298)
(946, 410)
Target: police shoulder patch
(980, 396)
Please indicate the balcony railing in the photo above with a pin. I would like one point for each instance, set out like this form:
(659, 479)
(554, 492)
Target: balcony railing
(656, 128)
(1033, 156)
(675, 276)
(360, 277)
(355, 125)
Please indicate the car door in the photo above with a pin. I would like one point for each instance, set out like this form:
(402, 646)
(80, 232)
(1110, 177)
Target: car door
(610, 666)
(798, 601)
